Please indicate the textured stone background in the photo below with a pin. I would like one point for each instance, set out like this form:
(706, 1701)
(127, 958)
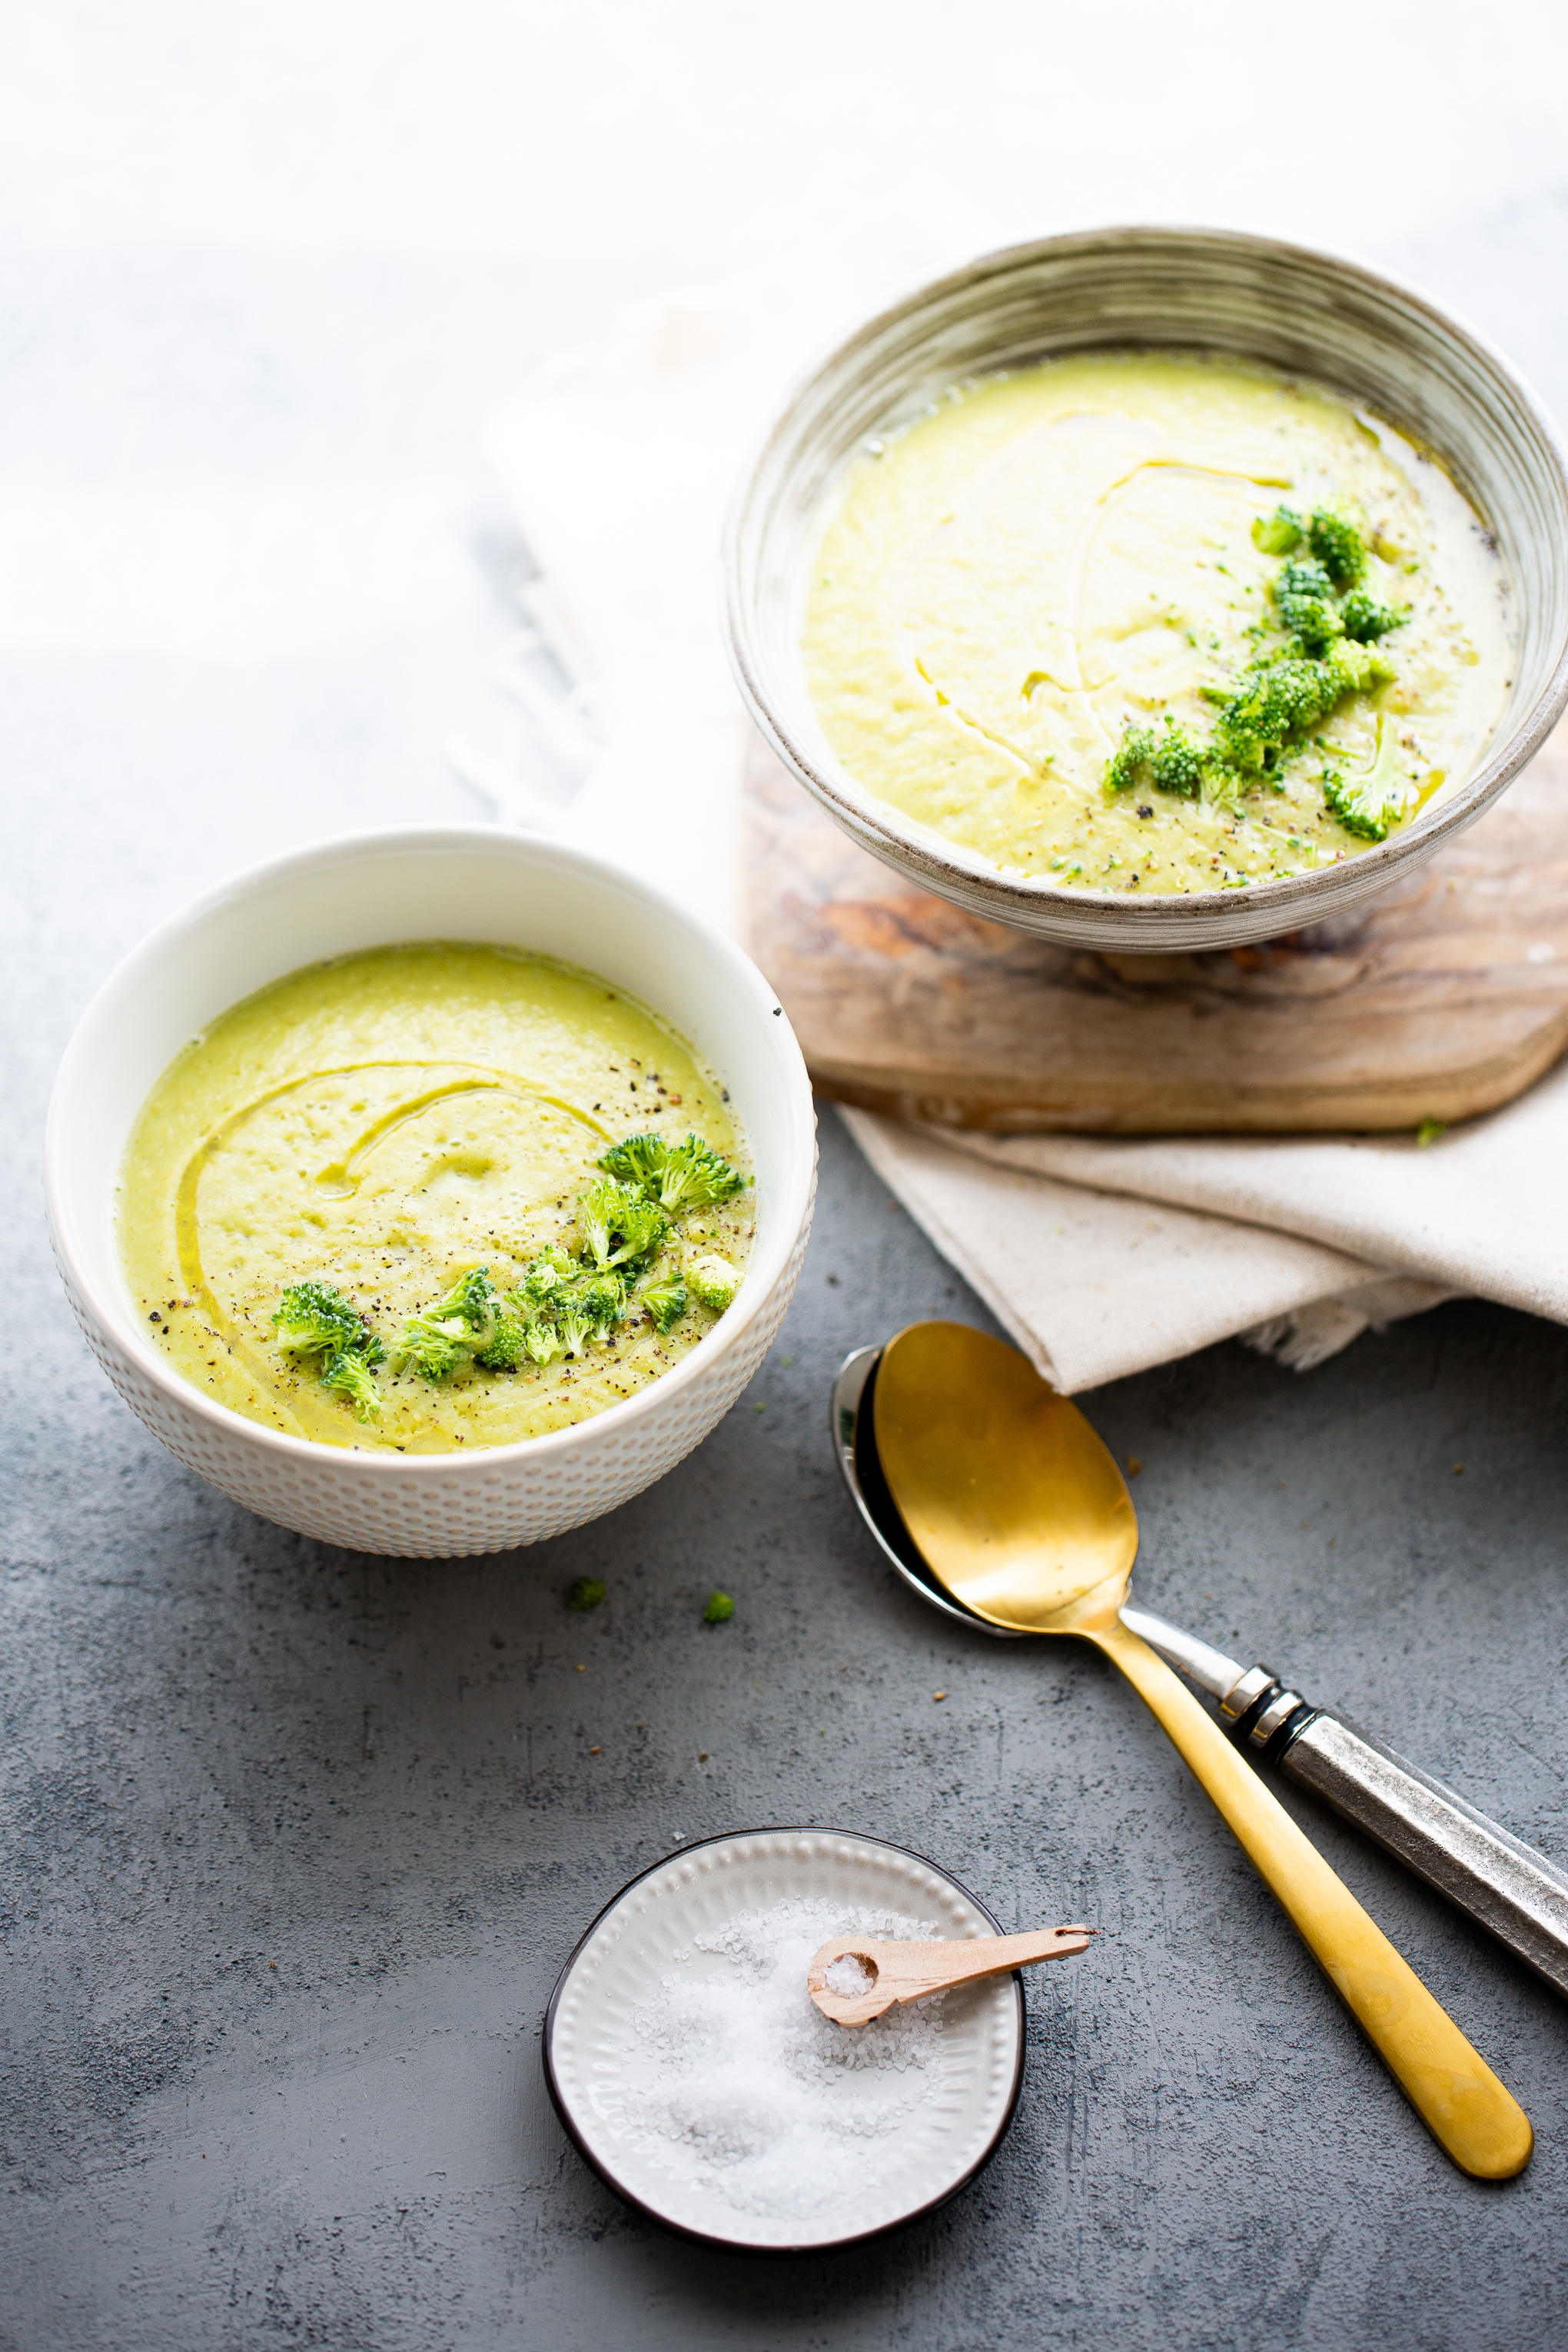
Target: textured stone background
(294, 1842)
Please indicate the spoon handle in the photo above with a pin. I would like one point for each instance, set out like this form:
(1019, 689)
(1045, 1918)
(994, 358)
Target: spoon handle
(1451, 2088)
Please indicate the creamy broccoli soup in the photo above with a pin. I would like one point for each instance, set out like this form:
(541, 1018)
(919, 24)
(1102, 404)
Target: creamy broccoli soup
(1128, 622)
(432, 1196)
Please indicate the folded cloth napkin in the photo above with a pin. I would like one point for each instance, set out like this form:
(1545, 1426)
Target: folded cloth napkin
(1101, 1257)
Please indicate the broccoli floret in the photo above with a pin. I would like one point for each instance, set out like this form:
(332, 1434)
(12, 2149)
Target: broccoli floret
(1172, 759)
(542, 1340)
(1357, 667)
(695, 1176)
(473, 1324)
(588, 1308)
(1279, 533)
(619, 1226)
(719, 1609)
(679, 1176)
(433, 1348)
(1370, 800)
(586, 1593)
(544, 1278)
(1271, 701)
(508, 1342)
(1366, 618)
(1177, 765)
(638, 1161)
(602, 1296)
(349, 1375)
(1334, 536)
(666, 1301)
(312, 1318)
(1305, 596)
(713, 1280)
(313, 1314)
(1133, 754)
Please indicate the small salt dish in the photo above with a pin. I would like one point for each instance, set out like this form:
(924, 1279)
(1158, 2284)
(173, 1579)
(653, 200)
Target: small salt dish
(626, 2045)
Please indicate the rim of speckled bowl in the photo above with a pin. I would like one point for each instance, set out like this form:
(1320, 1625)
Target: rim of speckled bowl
(1119, 922)
(113, 1315)
(716, 2239)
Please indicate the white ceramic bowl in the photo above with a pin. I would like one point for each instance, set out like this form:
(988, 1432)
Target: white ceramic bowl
(452, 882)
(594, 2057)
(1304, 313)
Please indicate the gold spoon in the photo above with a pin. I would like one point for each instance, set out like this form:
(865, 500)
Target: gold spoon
(1024, 1517)
(889, 1973)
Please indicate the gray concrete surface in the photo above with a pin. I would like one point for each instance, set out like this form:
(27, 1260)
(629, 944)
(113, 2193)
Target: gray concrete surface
(297, 1841)
(293, 1843)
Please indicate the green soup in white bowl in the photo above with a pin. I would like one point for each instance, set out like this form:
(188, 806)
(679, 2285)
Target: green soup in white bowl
(372, 1069)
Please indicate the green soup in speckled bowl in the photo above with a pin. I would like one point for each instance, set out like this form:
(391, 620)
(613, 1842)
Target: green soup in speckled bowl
(1155, 589)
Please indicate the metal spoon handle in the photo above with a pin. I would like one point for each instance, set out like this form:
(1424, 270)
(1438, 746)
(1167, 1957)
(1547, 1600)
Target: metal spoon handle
(1450, 2087)
(1517, 1894)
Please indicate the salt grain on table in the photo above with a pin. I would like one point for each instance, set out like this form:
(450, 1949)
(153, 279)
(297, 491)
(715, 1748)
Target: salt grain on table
(749, 2093)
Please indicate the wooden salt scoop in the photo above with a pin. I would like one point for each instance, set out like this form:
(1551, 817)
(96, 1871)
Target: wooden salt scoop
(901, 1972)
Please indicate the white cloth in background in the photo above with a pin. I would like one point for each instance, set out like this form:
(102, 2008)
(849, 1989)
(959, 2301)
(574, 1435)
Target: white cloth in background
(1100, 1256)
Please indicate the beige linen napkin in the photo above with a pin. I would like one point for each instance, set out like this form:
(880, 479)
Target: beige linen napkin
(1101, 1257)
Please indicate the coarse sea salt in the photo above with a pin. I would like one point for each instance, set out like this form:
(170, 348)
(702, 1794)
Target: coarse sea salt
(750, 2094)
(847, 1976)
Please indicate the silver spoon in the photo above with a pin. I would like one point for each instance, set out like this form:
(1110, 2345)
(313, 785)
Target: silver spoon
(1505, 1886)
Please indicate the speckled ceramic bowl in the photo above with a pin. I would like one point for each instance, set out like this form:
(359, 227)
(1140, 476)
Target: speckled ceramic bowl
(596, 2059)
(1304, 313)
(444, 882)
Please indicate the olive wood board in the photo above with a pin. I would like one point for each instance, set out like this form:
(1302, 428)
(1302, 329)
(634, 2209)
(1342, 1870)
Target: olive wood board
(1444, 995)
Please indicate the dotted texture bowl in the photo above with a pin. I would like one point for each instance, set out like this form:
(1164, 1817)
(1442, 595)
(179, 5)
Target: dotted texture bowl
(594, 2058)
(1385, 347)
(371, 891)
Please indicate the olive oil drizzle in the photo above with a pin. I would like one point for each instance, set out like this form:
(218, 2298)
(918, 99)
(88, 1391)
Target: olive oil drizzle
(311, 1410)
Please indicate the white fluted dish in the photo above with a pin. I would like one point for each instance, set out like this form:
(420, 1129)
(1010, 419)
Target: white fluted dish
(1304, 313)
(373, 889)
(595, 2061)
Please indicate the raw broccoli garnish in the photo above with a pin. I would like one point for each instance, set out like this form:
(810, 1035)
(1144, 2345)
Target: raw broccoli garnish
(1275, 700)
(666, 1301)
(546, 1275)
(713, 1280)
(1305, 596)
(586, 1593)
(312, 1318)
(589, 1307)
(1365, 618)
(1173, 761)
(475, 1323)
(313, 1314)
(1334, 536)
(719, 1607)
(349, 1375)
(619, 1227)
(1369, 800)
(1131, 757)
(679, 1176)
(637, 1161)
(1279, 533)
(542, 1340)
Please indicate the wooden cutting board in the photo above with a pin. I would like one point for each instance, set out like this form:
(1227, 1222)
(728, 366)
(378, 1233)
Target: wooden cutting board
(1444, 995)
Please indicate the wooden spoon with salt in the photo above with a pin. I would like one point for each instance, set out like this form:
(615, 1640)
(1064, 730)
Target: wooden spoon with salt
(869, 1976)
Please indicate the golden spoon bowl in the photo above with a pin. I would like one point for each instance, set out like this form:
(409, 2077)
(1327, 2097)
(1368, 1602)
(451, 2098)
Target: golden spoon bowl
(1022, 1515)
